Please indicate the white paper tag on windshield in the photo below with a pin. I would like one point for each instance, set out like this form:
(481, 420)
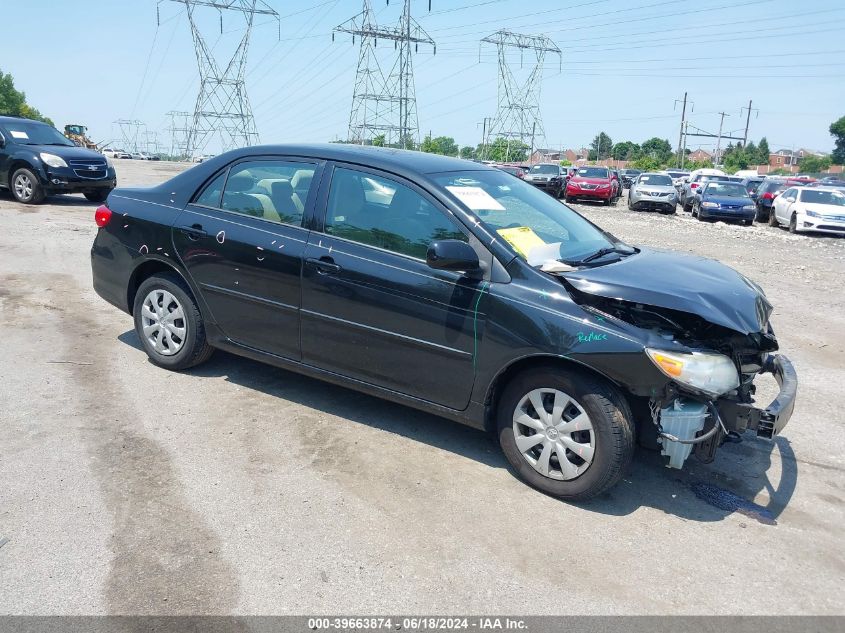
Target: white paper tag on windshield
(476, 198)
(20, 135)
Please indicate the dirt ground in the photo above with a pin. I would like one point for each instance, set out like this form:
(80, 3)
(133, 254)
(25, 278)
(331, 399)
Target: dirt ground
(241, 488)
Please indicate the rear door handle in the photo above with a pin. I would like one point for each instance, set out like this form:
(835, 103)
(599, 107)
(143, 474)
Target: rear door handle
(324, 265)
(194, 232)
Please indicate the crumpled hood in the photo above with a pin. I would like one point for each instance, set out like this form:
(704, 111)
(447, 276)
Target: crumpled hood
(677, 281)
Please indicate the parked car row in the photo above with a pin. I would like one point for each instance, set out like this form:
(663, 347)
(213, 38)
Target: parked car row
(119, 153)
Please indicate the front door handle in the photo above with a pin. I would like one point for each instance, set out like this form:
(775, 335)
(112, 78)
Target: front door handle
(324, 265)
(194, 232)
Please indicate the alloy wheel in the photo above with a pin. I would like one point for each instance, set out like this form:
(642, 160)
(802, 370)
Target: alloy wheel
(554, 434)
(163, 321)
(23, 187)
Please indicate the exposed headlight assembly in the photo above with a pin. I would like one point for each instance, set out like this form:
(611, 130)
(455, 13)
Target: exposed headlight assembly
(52, 160)
(713, 374)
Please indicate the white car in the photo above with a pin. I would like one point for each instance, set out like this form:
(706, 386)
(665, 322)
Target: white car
(820, 209)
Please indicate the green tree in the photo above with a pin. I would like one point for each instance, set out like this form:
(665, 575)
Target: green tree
(565, 163)
(647, 163)
(468, 152)
(13, 101)
(763, 152)
(378, 141)
(600, 147)
(439, 145)
(737, 159)
(837, 131)
(626, 150)
(657, 148)
(815, 164)
(504, 151)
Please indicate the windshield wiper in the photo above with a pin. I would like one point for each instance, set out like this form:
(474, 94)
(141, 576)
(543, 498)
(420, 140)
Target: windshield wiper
(602, 252)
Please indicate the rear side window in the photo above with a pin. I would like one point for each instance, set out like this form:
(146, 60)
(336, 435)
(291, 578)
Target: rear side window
(272, 190)
(384, 213)
(210, 196)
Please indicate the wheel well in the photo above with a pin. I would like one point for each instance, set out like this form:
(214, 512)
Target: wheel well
(17, 164)
(491, 402)
(144, 272)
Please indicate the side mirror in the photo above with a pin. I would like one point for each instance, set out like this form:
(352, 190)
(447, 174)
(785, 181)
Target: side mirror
(452, 255)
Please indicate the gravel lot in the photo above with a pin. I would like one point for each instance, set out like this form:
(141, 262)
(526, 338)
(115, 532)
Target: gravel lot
(241, 488)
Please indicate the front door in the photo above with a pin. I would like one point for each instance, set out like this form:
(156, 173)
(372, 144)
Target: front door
(372, 309)
(242, 241)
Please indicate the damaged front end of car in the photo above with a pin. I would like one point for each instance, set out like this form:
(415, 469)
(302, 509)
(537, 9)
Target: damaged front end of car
(710, 359)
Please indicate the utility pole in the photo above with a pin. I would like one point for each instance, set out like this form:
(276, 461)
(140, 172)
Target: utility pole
(483, 136)
(684, 148)
(384, 102)
(747, 122)
(533, 131)
(719, 139)
(681, 133)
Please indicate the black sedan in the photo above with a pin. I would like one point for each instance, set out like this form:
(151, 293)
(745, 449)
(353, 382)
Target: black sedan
(451, 287)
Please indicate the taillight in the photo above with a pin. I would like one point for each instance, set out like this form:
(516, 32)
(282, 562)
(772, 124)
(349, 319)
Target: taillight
(768, 196)
(102, 216)
(694, 185)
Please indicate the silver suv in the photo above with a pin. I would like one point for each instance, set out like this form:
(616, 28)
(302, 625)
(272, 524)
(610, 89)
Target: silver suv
(653, 191)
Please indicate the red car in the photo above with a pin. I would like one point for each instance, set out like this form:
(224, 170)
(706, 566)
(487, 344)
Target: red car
(593, 183)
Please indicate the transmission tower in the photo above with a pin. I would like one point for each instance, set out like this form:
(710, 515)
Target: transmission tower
(132, 133)
(178, 129)
(385, 103)
(518, 111)
(222, 108)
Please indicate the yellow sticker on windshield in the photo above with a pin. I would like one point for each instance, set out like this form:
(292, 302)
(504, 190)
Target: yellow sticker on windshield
(522, 238)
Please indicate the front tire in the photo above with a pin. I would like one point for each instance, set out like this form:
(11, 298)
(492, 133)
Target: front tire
(169, 323)
(99, 195)
(793, 224)
(26, 187)
(566, 433)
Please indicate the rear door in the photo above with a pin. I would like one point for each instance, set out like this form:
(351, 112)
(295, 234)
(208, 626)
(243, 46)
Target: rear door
(242, 240)
(372, 309)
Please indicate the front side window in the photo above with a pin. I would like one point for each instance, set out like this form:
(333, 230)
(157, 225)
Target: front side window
(536, 226)
(381, 212)
(272, 190)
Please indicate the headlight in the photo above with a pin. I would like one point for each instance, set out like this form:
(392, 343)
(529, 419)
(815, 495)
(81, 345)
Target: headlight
(52, 160)
(603, 186)
(813, 214)
(109, 161)
(714, 374)
(709, 205)
(748, 207)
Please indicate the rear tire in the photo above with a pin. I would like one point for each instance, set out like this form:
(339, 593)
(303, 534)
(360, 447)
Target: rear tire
(26, 187)
(169, 323)
(597, 450)
(773, 220)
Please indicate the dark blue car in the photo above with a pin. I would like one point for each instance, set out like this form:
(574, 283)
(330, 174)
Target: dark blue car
(728, 201)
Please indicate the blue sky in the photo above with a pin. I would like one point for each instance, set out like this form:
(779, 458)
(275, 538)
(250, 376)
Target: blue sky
(624, 65)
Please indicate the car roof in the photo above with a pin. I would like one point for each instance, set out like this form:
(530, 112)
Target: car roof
(6, 118)
(386, 158)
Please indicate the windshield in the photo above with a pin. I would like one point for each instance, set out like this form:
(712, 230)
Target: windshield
(835, 198)
(752, 185)
(544, 169)
(535, 225)
(728, 189)
(27, 132)
(655, 179)
(593, 172)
